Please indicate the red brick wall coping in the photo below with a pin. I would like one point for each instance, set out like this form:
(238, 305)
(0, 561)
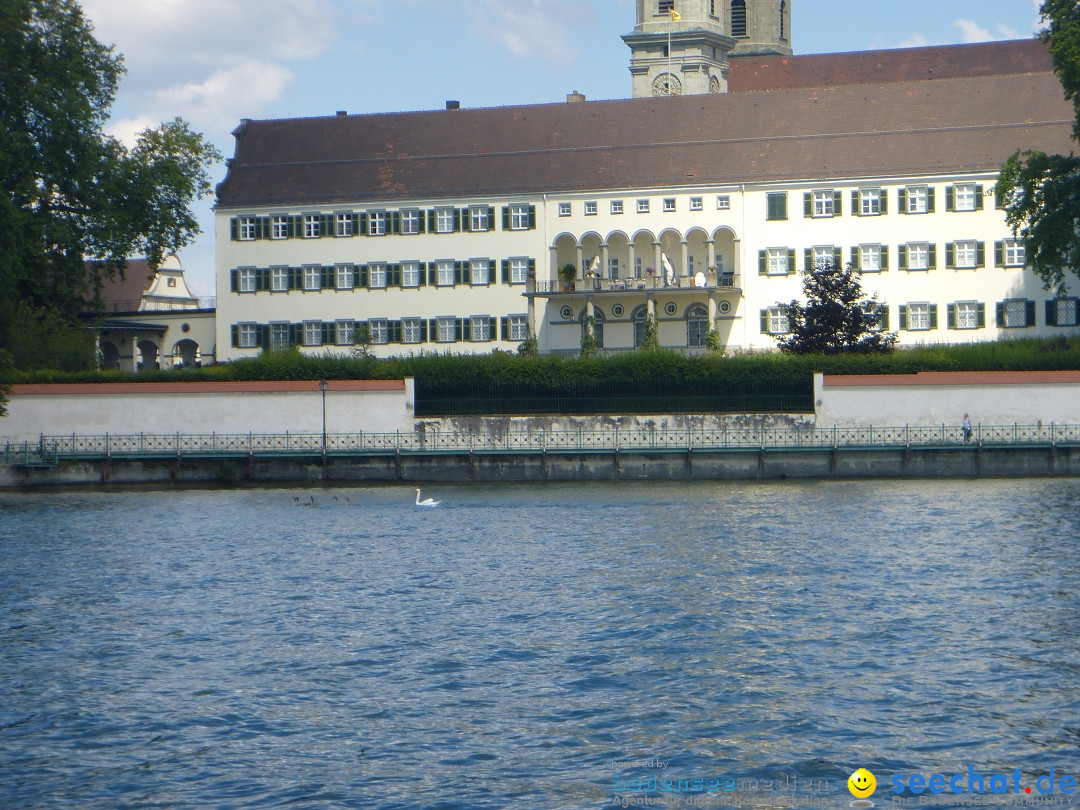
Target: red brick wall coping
(253, 387)
(952, 378)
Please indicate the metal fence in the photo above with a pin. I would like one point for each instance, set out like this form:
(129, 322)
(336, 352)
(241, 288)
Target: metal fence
(499, 398)
(50, 450)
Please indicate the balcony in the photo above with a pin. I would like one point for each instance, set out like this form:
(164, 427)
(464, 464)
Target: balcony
(724, 282)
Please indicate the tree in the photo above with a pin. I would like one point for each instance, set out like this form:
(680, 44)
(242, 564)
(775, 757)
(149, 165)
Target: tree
(71, 193)
(650, 335)
(590, 346)
(837, 316)
(1041, 193)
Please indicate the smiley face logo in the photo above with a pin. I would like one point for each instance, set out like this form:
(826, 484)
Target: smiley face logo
(862, 783)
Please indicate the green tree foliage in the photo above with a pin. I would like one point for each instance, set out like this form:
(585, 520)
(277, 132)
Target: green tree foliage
(71, 193)
(837, 317)
(1041, 193)
(590, 346)
(650, 336)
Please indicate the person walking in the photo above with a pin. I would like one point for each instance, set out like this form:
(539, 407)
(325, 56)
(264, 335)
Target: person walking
(966, 426)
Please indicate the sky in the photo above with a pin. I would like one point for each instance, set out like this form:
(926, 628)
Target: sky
(213, 62)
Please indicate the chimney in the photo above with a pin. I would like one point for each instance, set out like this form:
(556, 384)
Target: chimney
(453, 105)
(342, 112)
(574, 98)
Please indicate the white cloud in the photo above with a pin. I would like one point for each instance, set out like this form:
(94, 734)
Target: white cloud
(227, 95)
(916, 40)
(530, 28)
(970, 31)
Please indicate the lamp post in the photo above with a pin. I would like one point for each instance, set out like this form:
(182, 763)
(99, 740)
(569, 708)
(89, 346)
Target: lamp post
(323, 385)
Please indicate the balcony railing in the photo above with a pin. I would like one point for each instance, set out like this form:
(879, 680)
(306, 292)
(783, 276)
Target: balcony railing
(729, 281)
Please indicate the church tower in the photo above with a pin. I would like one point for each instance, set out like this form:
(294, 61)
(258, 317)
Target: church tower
(681, 47)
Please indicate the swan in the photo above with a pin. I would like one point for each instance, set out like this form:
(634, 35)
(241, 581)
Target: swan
(426, 501)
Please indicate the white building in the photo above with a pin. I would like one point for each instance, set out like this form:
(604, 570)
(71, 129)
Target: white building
(445, 230)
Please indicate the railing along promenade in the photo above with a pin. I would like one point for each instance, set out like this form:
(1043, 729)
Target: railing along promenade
(51, 450)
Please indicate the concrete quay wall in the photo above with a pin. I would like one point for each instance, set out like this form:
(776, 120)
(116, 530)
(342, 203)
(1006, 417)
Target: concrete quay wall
(535, 467)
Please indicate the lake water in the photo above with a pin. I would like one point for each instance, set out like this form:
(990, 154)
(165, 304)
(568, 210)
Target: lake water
(537, 646)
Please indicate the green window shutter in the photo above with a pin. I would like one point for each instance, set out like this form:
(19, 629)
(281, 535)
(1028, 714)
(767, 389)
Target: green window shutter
(532, 217)
(296, 334)
(950, 254)
(328, 280)
(393, 331)
(764, 321)
(491, 218)
(883, 314)
(326, 224)
(884, 257)
(355, 217)
(459, 214)
(296, 278)
(421, 222)
(234, 229)
(234, 280)
(266, 230)
(431, 220)
(838, 203)
(950, 198)
(492, 269)
(1029, 314)
(424, 333)
(762, 263)
(492, 328)
(1000, 314)
(980, 254)
(458, 273)
(903, 316)
(856, 260)
(838, 256)
(980, 315)
(361, 275)
(808, 259)
(856, 209)
(791, 262)
(433, 273)
(979, 197)
(807, 204)
(999, 253)
(393, 275)
(262, 278)
(296, 227)
(884, 198)
(950, 316)
(262, 335)
(235, 336)
(505, 271)
(362, 221)
(930, 200)
(532, 268)
(933, 316)
(901, 254)
(328, 336)
(1051, 312)
(504, 328)
(901, 201)
(932, 261)
(395, 222)
(506, 217)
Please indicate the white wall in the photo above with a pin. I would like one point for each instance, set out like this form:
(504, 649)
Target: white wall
(201, 408)
(936, 398)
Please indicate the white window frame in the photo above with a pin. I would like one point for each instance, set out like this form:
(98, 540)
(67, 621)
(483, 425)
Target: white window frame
(966, 254)
(247, 335)
(1015, 253)
(479, 272)
(444, 276)
(377, 276)
(519, 270)
(964, 197)
(824, 203)
(564, 209)
(917, 199)
(376, 223)
(343, 224)
(344, 331)
(410, 274)
(1015, 312)
(643, 206)
(378, 331)
(616, 207)
(279, 336)
(279, 279)
(918, 316)
(590, 208)
(410, 221)
(519, 217)
(478, 218)
(778, 321)
(343, 276)
(967, 314)
(479, 328)
(247, 283)
(246, 229)
(870, 202)
(1065, 314)
(446, 329)
(311, 226)
(279, 227)
(870, 258)
(696, 204)
(312, 278)
(723, 202)
(822, 253)
(518, 328)
(777, 259)
(669, 205)
(410, 330)
(920, 251)
(313, 333)
(444, 220)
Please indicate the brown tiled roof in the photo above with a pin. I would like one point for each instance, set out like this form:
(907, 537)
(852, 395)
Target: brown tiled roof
(953, 378)
(126, 293)
(242, 387)
(773, 72)
(951, 124)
